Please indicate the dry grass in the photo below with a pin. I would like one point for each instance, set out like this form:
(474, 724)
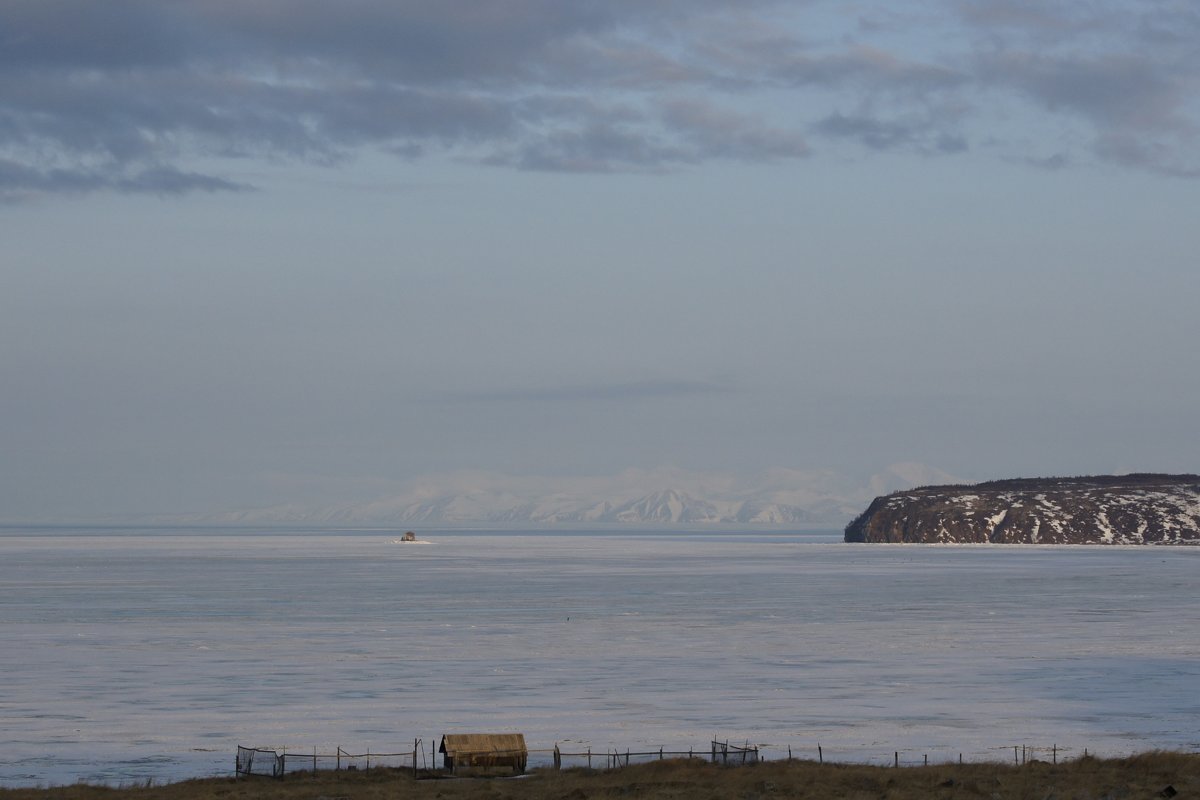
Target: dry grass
(1143, 776)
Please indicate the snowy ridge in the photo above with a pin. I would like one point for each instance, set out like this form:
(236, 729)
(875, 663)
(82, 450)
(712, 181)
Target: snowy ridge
(1127, 509)
(633, 497)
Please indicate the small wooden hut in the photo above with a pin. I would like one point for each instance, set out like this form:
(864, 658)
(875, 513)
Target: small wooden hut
(490, 750)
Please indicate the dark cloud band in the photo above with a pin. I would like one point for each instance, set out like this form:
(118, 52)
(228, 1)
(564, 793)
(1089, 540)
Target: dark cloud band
(119, 96)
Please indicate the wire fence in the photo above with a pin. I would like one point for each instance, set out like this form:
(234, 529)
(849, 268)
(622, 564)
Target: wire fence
(719, 753)
(267, 762)
(421, 758)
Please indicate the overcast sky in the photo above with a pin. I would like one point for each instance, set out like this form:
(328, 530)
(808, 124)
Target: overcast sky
(288, 250)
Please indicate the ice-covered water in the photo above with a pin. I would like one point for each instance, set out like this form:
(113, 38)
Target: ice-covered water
(129, 655)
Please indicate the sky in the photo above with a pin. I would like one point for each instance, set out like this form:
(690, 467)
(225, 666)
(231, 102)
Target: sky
(297, 251)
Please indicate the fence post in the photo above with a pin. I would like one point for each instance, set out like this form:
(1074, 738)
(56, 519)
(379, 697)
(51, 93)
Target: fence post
(314, 761)
(368, 758)
(1015, 762)
(660, 755)
(557, 757)
(927, 759)
(820, 754)
(897, 758)
(416, 747)
(1055, 753)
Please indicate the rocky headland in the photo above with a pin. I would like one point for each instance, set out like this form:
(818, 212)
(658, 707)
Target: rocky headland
(1106, 509)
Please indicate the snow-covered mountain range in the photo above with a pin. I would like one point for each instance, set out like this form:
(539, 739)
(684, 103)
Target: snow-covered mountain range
(633, 497)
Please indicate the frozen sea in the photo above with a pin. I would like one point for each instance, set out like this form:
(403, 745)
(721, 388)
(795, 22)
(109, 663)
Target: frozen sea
(130, 655)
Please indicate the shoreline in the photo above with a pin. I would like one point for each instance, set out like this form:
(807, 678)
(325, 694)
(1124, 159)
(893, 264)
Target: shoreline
(1162, 774)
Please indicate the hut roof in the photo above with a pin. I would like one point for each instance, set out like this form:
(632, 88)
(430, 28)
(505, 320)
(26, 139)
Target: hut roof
(458, 744)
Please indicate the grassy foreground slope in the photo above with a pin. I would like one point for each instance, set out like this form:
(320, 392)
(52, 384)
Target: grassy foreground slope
(1151, 775)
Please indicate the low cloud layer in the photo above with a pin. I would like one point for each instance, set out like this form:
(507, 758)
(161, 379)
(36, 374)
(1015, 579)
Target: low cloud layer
(127, 96)
(602, 393)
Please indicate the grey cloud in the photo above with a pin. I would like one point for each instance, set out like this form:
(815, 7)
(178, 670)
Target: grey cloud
(680, 132)
(1138, 152)
(1170, 25)
(573, 134)
(715, 133)
(949, 143)
(1048, 20)
(1057, 23)
(608, 392)
(441, 42)
(596, 146)
(79, 34)
(164, 80)
(1053, 162)
(18, 181)
(1142, 113)
(921, 136)
(1129, 70)
(167, 180)
(871, 69)
(539, 84)
(874, 133)
(161, 115)
(619, 66)
(1129, 91)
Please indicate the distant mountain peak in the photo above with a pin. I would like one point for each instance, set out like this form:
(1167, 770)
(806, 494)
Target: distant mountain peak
(666, 496)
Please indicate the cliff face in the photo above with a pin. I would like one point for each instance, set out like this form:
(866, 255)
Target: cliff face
(1124, 509)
